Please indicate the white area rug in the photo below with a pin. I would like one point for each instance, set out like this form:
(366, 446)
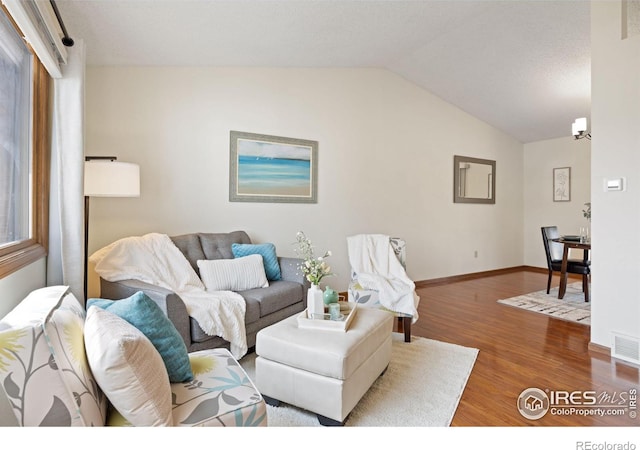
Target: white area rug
(421, 387)
(572, 307)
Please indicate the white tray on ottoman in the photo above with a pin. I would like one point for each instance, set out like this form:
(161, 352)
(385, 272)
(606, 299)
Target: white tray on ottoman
(320, 370)
(348, 310)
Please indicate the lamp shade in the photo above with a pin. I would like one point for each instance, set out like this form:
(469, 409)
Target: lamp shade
(111, 179)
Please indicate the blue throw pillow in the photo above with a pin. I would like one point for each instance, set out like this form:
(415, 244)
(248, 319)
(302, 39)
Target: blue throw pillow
(269, 257)
(144, 314)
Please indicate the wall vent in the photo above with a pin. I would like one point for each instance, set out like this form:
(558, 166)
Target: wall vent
(626, 348)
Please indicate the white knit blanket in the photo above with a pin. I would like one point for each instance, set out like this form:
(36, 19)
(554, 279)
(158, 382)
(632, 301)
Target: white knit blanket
(378, 269)
(154, 258)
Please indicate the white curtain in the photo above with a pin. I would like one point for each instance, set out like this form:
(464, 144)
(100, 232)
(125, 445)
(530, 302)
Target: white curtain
(66, 228)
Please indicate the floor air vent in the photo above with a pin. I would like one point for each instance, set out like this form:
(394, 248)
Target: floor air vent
(626, 348)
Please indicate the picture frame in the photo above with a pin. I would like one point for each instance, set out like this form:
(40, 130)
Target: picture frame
(272, 169)
(562, 184)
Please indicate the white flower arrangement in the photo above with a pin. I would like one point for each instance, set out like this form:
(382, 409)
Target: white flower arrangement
(314, 268)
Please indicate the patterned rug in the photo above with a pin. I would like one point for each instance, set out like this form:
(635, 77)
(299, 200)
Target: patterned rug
(572, 307)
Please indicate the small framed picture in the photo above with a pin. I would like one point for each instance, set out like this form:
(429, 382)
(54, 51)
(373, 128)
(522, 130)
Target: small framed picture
(562, 184)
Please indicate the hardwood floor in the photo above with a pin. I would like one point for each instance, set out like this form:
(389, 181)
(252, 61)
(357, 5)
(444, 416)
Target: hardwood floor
(518, 350)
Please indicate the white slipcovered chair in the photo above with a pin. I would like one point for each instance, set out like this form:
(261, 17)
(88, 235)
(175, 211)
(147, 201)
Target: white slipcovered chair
(373, 268)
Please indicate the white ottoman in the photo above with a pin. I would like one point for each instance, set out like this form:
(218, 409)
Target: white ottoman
(323, 371)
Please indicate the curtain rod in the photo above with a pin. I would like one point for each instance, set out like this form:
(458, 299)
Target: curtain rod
(66, 40)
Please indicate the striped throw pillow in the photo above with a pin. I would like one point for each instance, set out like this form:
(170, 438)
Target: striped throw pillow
(236, 274)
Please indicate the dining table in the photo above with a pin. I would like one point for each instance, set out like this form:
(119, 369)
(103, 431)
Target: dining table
(568, 244)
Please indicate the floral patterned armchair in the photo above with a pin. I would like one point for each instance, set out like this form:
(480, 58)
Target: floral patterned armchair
(46, 377)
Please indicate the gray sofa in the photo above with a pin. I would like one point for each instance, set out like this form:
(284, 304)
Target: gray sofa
(264, 306)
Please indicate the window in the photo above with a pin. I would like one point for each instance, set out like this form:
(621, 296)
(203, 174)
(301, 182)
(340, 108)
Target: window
(24, 150)
(15, 143)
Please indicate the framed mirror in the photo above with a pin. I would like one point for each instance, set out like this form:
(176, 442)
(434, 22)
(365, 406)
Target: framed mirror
(474, 180)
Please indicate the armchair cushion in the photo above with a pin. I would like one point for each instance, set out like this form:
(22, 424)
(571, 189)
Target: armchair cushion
(128, 369)
(144, 314)
(43, 368)
(46, 377)
(269, 257)
(236, 274)
(221, 395)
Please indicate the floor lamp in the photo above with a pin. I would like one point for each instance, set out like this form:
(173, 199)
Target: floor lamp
(104, 176)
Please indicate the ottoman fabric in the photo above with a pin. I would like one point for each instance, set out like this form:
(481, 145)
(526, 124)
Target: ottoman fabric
(326, 352)
(323, 371)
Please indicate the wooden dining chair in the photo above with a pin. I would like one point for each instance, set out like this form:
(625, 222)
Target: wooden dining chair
(554, 252)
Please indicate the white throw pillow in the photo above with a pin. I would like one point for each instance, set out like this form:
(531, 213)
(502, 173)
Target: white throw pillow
(236, 274)
(128, 369)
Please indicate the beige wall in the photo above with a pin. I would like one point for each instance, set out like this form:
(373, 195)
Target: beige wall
(540, 158)
(615, 66)
(385, 162)
(15, 287)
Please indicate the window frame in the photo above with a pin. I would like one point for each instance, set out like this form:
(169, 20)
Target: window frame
(16, 255)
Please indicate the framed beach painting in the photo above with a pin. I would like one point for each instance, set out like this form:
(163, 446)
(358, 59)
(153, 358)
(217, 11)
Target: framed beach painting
(272, 169)
(562, 184)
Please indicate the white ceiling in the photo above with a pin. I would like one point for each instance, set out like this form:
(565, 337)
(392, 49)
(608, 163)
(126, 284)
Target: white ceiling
(521, 66)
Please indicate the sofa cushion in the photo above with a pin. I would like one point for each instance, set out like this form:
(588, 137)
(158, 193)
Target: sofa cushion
(197, 246)
(144, 314)
(259, 303)
(235, 274)
(269, 257)
(189, 245)
(43, 366)
(218, 245)
(279, 295)
(128, 369)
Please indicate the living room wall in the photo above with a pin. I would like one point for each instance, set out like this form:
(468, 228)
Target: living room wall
(386, 152)
(615, 68)
(16, 286)
(540, 158)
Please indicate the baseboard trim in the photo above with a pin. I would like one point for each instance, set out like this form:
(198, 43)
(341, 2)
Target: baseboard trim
(487, 273)
(601, 349)
(536, 269)
(476, 275)
(470, 276)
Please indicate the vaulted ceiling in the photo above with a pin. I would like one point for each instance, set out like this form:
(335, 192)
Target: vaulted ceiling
(521, 66)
